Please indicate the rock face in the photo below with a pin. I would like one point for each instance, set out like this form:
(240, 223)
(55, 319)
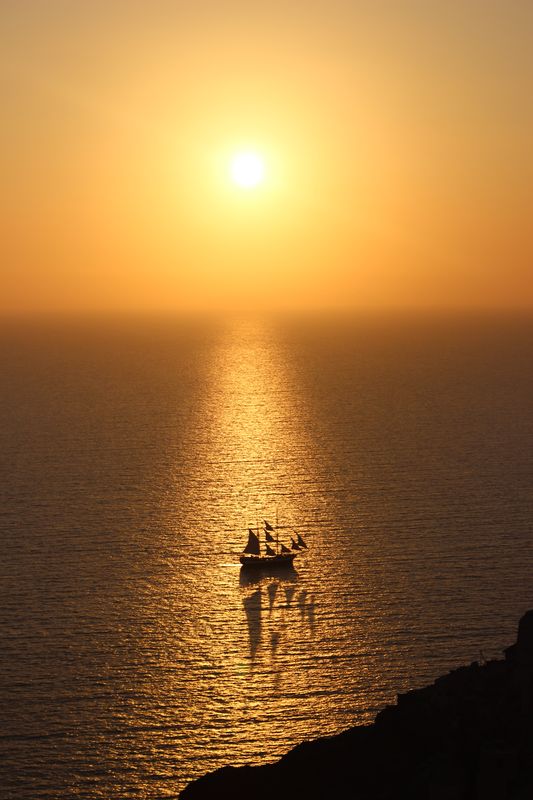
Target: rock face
(468, 736)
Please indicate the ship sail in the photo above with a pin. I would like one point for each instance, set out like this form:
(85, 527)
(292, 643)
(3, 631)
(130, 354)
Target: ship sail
(268, 536)
(301, 542)
(285, 549)
(252, 547)
(268, 526)
(294, 545)
(270, 551)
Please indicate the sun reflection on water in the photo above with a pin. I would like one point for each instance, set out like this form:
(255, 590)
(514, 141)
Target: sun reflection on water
(251, 431)
(246, 634)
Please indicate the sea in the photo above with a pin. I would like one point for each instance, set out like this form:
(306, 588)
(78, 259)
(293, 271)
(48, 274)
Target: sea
(135, 454)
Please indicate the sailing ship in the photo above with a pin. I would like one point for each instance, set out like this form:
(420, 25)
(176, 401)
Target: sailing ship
(271, 553)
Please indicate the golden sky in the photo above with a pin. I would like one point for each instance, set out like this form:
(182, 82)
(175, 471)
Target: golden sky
(396, 137)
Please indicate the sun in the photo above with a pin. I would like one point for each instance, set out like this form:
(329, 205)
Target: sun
(247, 169)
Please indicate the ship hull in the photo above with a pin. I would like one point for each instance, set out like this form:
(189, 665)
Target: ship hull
(268, 562)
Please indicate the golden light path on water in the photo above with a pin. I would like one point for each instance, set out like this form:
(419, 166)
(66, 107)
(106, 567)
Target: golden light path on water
(268, 666)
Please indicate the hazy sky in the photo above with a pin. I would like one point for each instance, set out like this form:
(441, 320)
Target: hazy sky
(397, 137)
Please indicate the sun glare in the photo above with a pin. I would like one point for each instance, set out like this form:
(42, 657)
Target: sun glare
(247, 170)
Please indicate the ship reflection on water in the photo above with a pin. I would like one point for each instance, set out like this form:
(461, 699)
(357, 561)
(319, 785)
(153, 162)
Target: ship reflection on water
(273, 607)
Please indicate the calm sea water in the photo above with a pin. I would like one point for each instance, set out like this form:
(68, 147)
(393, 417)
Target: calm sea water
(134, 455)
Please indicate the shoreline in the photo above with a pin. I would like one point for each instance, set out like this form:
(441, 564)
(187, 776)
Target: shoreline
(467, 735)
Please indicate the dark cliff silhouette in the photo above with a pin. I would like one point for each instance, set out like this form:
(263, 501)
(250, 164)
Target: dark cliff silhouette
(468, 736)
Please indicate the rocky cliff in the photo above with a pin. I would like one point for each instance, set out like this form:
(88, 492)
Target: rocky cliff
(469, 735)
